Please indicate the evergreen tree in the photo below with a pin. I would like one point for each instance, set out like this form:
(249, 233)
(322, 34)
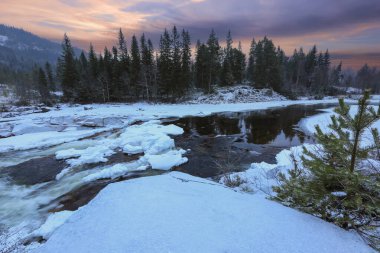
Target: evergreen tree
(135, 68)
(124, 64)
(251, 62)
(147, 62)
(176, 87)
(43, 87)
(49, 76)
(68, 72)
(213, 64)
(202, 72)
(186, 61)
(260, 68)
(165, 63)
(123, 51)
(238, 64)
(227, 77)
(336, 181)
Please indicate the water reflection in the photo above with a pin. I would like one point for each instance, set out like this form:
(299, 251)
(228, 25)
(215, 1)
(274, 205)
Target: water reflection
(274, 126)
(244, 137)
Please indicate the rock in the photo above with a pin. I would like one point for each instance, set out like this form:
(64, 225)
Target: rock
(35, 171)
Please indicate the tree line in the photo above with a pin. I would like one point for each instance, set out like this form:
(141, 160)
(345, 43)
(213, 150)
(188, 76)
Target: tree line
(172, 71)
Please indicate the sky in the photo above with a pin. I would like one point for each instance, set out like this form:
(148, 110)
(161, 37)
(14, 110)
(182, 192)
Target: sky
(350, 29)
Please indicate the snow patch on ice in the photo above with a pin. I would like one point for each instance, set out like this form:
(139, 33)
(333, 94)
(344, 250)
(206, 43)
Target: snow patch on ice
(116, 171)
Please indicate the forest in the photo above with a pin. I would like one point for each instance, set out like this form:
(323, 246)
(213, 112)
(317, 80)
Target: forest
(176, 68)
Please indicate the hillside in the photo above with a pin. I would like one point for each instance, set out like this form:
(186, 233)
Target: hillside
(20, 49)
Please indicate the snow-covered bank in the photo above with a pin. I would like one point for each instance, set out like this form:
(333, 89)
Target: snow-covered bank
(324, 120)
(236, 94)
(180, 213)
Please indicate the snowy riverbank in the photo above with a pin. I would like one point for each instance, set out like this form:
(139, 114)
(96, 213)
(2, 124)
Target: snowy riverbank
(180, 213)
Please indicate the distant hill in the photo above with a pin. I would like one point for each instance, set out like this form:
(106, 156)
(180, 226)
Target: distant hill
(20, 49)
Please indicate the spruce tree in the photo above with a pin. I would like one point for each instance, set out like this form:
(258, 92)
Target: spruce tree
(165, 63)
(238, 64)
(213, 62)
(176, 87)
(202, 72)
(68, 73)
(251, 62)
(49, 76)
(186, 61)
(227, 77)
(43, 87)
(147, 64)
(123, 52)
(135, 68)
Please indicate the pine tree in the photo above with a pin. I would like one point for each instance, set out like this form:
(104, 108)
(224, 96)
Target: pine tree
(93, 61)
(337, 182)
(260, 67)
(43, 87)
(186, 61)
(68, 72)
(124, 62)
(49, 76)
(238, 64)
(251, 62)
(202, 72)
(123, 51)
(227, 77)
(176, 87)
(135, 68)
(165, 63)
(147, 64)
(213, 64)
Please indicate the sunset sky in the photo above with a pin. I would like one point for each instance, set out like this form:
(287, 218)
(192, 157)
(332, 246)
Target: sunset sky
(344, 26)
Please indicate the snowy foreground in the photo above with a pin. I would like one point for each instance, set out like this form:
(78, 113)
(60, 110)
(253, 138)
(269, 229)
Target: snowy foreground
(180, 213)
(173, 212)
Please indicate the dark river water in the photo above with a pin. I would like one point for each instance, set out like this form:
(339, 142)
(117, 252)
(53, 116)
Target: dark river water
(232, 141)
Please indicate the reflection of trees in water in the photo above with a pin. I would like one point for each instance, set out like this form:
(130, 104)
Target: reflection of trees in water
(260, 127)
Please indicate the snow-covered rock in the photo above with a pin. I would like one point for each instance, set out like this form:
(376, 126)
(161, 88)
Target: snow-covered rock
(236, 94)
(176, 212)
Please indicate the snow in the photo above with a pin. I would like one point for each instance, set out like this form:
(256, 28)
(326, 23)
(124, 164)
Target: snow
(261, 177)
(43, 139)
(236, 94)
(53, 222)
(95, 154)
(339, 194)
(324, 119)
(176, 212)
(167, 160)
(3, 40)
(116, 170)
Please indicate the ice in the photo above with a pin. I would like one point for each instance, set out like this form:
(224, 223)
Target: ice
(323, 120)
(176, 212)
(116, 170)
(43, 139)
(93, 154)
(167, 160)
